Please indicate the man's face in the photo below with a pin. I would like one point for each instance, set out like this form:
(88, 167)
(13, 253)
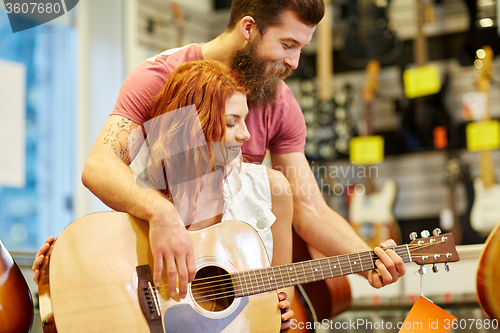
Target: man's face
(269, 58)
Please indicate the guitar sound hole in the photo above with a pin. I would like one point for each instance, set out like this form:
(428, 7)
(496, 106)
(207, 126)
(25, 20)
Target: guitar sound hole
(212, 289)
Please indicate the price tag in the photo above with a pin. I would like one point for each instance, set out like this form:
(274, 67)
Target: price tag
(367, 150)
(421, 81)
(425, 316)
(483, 135)
(474, 106)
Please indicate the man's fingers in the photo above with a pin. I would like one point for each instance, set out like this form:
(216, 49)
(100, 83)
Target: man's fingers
(158, 268)
(191, 264)
(171, 276)
(182, 272)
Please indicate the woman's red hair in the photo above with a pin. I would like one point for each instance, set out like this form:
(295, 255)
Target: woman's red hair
(205, 85)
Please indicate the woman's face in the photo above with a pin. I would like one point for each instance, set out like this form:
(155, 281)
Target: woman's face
(229, 153)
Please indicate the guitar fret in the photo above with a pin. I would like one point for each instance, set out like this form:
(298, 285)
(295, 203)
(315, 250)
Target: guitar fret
(349, 261)
(303, 270)
(274, 278)
(320, 269)
(263, 282)
(340, 266)
(236, 284)
(360, 262)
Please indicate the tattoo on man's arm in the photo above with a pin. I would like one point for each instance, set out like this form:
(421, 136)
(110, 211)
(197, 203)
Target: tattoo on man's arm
(117, 137)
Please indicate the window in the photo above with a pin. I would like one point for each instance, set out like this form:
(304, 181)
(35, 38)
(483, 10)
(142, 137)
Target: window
(43, 206)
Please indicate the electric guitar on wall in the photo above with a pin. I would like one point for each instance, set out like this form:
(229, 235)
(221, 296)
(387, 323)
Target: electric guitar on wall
(100, 279)
(423, 114)
(369, 35)
(370, 212)
(16, 304)
(485, 214)
(329, 125)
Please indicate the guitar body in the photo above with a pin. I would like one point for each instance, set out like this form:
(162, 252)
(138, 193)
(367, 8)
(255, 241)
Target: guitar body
(485, 214)
(371, 215)
(325, 299)
(94, 288)
(421, 116)
(16, 304)
(488, 275)
(369, 36)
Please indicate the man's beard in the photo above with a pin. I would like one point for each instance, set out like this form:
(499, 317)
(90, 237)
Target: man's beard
(261, 77)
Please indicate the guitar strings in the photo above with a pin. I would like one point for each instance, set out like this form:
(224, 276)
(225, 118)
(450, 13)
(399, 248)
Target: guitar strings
(254, 274)
(231, 293)
(261, 282)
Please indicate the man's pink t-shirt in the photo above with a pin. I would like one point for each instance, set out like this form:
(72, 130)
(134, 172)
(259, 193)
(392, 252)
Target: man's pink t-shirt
(279, 127)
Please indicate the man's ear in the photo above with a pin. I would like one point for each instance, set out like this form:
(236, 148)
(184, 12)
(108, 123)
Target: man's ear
(247, 27)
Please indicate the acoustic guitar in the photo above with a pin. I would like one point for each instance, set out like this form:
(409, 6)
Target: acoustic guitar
(16, 304)
(100, 278)
(488, 275)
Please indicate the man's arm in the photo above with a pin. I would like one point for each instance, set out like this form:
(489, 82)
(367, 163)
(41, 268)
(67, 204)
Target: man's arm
(107, 175)
(281, 229)
(318, 224)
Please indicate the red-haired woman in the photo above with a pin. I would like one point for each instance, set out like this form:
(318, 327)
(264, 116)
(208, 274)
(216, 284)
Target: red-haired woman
(194, 137)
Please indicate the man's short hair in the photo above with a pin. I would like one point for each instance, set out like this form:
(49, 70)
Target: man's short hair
(268, 13)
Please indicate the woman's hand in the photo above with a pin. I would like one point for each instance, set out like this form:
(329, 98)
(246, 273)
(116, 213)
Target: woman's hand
(39, 258)
(286, 311)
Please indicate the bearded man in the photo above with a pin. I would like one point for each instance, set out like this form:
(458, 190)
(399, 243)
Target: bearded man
(262, 43)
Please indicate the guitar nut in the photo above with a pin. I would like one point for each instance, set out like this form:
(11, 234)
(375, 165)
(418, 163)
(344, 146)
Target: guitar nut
(444, 239)
(424, 258)
(432, 241)
(420, 242)
(437, 256)
(448, 255)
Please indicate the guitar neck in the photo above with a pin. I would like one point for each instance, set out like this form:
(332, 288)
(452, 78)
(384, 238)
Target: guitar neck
(420, 44)
(324, 56)
(486, 168)
(273, 278)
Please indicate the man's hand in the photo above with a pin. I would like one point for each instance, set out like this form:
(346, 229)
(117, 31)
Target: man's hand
(40, 257)
(286, 311)
(171, 243)
(390, 266)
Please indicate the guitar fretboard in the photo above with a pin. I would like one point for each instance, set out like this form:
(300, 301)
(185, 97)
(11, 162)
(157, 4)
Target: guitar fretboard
(420, 43)
(273, 278)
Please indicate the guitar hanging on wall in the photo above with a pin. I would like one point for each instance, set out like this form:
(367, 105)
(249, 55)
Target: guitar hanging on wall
(328, 120)
(425, 108)
(485, 214)
(100, 279)
(370, 212)
(369, 35)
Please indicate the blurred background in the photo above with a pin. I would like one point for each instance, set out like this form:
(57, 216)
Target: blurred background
(416, 112)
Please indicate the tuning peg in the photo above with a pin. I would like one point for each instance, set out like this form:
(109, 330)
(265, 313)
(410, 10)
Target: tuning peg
(425, 233)
(422, 270)
(413, 236)
(446, 267)
(435, 268)
(436, 232)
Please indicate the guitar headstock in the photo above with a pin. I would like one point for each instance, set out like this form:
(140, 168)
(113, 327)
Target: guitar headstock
(178, 14)
(439, 248)
(371, 82)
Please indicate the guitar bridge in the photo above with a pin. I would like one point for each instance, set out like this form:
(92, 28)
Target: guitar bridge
(148, 299)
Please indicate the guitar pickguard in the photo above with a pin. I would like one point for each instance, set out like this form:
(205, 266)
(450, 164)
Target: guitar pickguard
(184, 318)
